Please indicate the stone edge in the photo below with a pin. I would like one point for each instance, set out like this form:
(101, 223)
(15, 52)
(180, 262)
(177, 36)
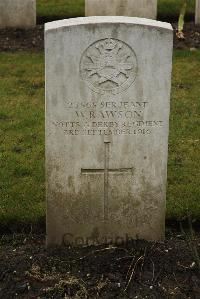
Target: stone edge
(106, 20)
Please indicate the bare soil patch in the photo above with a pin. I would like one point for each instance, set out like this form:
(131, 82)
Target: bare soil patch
(138, 269)
(33, 39)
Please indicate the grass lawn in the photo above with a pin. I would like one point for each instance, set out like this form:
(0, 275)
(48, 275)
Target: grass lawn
(60, 8)
(22, 136)
(167, 9)
(22, 188)
(184, 143)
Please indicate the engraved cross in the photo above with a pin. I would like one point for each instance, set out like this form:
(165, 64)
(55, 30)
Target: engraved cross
(105, 171)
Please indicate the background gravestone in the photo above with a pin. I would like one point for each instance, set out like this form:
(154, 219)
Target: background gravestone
(197, 13)
(131, 8)
(17, 13)
(107, 115)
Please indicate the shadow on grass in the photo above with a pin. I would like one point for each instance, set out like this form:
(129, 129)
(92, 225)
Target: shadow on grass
(15, 226)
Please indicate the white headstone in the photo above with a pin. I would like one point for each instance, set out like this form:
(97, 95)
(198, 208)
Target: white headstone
(131, 8)
(197, 13)
(17, 13)
(107, 115)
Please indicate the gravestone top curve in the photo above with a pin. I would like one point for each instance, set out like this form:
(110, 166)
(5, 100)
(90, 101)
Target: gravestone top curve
(107, 19)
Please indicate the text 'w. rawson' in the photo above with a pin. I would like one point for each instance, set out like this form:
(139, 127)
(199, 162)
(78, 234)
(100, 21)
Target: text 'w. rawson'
(108, 85)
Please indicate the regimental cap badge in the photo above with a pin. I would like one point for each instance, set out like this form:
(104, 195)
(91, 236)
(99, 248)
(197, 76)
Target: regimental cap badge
(108, 65)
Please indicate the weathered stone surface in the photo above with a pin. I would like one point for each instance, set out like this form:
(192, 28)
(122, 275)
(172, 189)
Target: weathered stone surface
(197, 13)
(107, 115)
(17, 13)
(131, 8)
